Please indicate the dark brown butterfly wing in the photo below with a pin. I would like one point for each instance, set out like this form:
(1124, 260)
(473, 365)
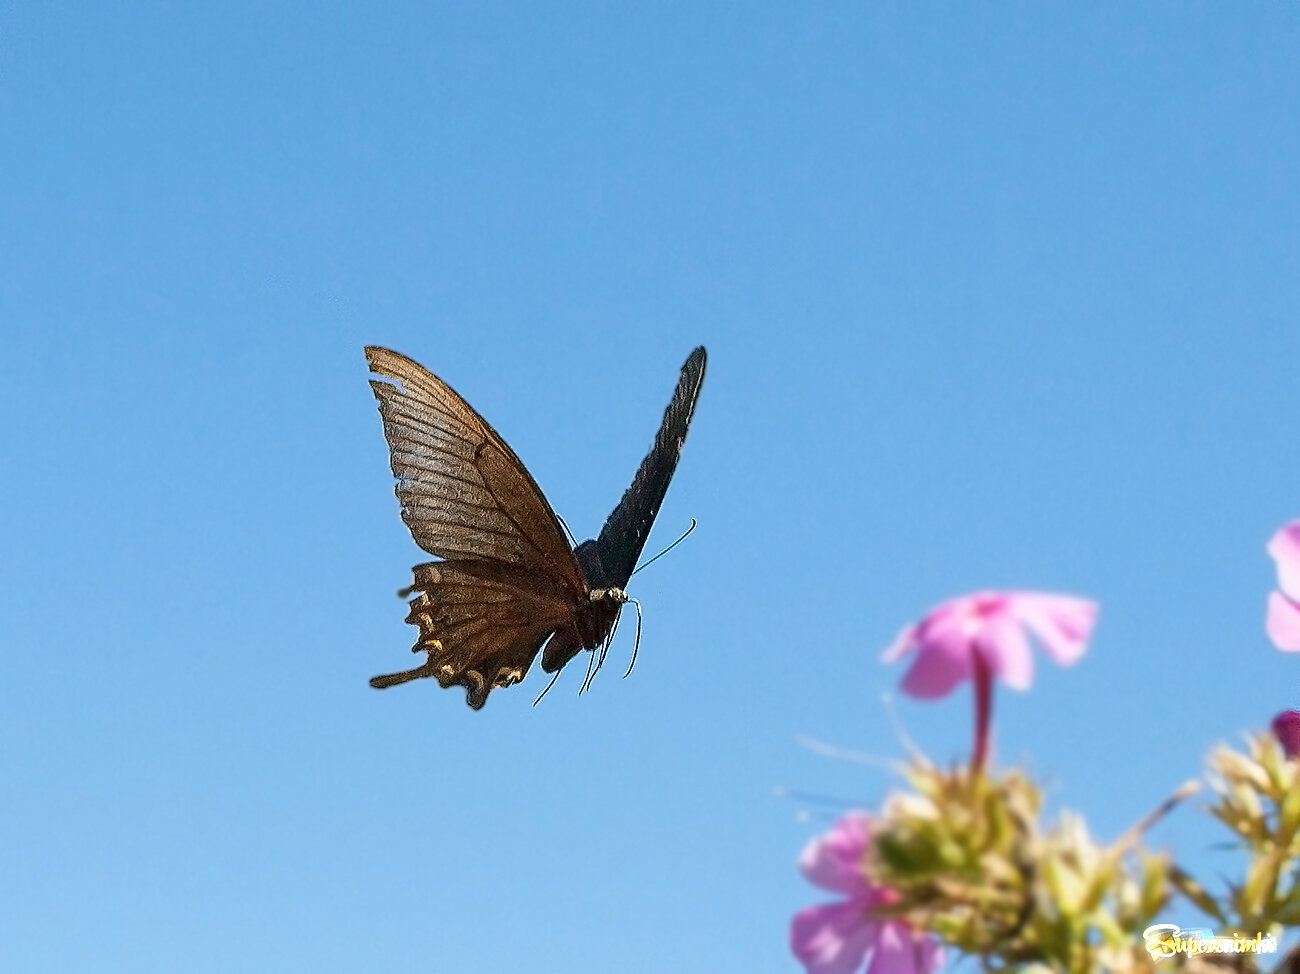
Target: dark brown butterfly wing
(611, 558)
(510, 578)
(481, 624)
(464, 493)
(628, 525)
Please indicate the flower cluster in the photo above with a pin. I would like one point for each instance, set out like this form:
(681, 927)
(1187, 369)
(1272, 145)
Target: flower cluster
(960, 860)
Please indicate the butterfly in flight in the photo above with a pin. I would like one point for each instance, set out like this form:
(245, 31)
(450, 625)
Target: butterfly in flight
(507, 581)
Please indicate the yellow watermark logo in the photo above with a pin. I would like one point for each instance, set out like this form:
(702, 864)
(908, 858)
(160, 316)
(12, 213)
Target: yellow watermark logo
(1167, 939)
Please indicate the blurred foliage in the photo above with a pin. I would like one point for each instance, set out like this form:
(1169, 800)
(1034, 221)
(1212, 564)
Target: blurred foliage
(971, 861)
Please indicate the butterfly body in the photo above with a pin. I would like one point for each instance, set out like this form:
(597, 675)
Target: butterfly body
(508, 582)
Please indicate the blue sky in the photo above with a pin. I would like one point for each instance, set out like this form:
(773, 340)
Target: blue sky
(993, 297)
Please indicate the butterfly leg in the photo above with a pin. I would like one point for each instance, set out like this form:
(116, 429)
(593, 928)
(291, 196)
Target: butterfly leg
(637, 644)
(603, 651)
(591, 671)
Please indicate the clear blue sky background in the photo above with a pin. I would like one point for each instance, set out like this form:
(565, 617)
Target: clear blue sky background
(993, 296)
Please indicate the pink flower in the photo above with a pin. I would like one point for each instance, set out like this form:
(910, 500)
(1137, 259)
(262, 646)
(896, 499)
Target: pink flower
(984, 635)
(990, 626)
(836, 938)
(1286, 728)
(1284, 605)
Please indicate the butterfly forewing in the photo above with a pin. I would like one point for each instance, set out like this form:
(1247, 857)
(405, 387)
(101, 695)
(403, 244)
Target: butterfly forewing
(628, 525)
(463, 491)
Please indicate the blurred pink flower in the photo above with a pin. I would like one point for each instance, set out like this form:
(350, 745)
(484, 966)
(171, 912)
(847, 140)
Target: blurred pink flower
(837, 938)
(1286, 728)
(1284, 605)
(983, 635)
(990, 627)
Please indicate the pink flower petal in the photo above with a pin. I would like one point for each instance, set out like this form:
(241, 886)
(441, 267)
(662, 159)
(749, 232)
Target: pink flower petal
(935, 675)
(833, 938)
(1283, 622)
(994, 624)
(899, 951)
(1284, 546)
(903, 643)
(834, 859)
(1062, 623)
(1006, 648)
(944, 658)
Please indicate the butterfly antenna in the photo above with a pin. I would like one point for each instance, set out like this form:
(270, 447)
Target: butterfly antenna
(637, 643)
(548, 688)
(565, 524)
(670, 547)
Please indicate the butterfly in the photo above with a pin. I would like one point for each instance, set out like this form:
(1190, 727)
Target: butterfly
(507, 581)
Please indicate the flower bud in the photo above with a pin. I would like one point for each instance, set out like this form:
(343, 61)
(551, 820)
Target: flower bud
(1286, 728)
